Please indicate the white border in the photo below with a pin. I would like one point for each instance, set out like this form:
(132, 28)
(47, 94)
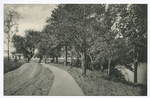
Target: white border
(58, 2)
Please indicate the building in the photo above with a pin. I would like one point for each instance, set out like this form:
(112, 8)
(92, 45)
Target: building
(17, 55)
(129, 75)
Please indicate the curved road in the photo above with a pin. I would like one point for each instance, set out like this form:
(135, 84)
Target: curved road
(64, 84)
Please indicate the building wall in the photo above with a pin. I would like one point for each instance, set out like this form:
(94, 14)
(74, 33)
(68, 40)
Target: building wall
(13, 56)
(141, 73)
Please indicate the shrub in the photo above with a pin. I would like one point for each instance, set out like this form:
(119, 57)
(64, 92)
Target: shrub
(76, 63)
(118, 74)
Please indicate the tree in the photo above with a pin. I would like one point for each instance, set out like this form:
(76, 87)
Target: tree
(133, 25)
(27, 44)
(59, 20)
(10, 20)
(104, 48)
(137, 33)
(41, 51)
(102, 42)
(82, 27)
(43, 45)
(73, 23)
(104, 45)
(49, 45)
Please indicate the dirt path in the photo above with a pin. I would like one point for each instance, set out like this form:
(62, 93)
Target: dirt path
(29, 79)
(64, 84)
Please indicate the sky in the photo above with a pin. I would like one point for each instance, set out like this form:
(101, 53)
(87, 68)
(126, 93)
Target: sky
(34, 16)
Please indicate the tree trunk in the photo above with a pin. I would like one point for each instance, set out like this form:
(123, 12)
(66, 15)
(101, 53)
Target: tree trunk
(135, 55)
(45, 60)
(91, 65)
(15, 58)
(83, 66)
(135, 71)
(71, 60)
(56, 59)
(28, 59)
(66, 55)
(40, 59)
(8, 46)
(109, 67)
(71, 63)
(53, 60)
(77, 62)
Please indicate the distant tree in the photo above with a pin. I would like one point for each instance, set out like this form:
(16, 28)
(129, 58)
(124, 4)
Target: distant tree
(43, 45)
(10, 20)
(27, 44)
(41, 51)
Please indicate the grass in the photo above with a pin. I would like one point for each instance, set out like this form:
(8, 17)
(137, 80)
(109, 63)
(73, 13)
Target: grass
(30, 79)
(95, 83)
(11, 65)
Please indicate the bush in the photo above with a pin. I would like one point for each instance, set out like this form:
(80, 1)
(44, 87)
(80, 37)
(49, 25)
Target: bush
(116, 73)
(77, 63)
(96, 64)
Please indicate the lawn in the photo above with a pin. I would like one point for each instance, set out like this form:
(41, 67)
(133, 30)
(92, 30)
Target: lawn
(95, 83)
(11, 65)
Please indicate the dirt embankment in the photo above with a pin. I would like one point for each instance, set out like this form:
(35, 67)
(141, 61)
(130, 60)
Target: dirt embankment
(29, 79)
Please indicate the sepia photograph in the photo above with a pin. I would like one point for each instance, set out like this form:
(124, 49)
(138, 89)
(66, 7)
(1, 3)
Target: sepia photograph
(75, 49)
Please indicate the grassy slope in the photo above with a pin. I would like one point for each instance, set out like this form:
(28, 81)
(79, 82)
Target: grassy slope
(11, 65)
(29, 79)
(98, 84)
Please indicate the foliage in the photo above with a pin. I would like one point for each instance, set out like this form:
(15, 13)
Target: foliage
(72, 23)
(132, 23)
(10, 20)
(49, 45)
(27, 44)
(105, 33)
(118, 74)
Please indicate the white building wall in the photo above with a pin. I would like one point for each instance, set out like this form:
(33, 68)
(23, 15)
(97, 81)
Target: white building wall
(142, 73)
